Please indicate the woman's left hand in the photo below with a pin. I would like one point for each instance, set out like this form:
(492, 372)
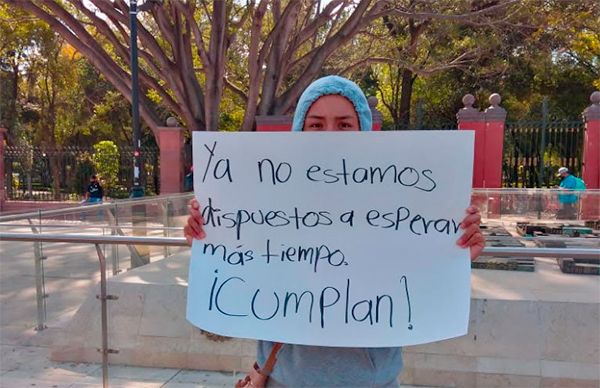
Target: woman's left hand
(472, 237)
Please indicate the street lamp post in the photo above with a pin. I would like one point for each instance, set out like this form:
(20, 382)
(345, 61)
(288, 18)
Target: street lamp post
(137, 190)
(139, 210)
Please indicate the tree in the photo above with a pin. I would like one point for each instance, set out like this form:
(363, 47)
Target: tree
(106, 161)
(50, 98)
(19, 34)
(426, 38)
(525, 51)
(300, 39)
(98, 29)
(55, 94)
(189, 51)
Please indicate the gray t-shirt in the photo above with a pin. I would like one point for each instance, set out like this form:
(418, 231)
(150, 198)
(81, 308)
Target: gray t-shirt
(320, 366)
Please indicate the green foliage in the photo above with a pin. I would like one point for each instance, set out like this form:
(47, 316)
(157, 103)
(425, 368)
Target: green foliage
(231, 122)
(544, 49)
(119, 192)
(16, 182)
(106, 161)
(20, 39)
(531, 50)
(84, 168)
(110, 118)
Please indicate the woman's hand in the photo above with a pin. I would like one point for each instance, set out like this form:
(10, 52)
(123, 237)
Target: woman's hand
(472, 237)
(194, 228)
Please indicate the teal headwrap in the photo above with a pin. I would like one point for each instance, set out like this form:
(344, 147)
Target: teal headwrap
(333, 84)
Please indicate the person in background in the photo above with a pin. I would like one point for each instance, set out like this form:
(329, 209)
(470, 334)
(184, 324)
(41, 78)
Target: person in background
(568, 202)
(94, 192)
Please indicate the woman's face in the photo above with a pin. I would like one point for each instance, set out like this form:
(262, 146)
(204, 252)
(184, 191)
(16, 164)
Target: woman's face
(331, 113)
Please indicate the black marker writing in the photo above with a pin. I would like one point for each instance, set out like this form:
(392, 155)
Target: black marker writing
(236, 219)
(315, 255)
(330, 303)
(417, 224)
(405, 176)
(279, 174)
(221, 169)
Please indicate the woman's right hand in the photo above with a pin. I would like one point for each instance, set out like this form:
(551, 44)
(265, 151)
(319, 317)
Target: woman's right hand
(194, 228)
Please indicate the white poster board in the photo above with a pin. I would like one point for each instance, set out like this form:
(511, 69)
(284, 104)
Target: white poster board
(332, 238)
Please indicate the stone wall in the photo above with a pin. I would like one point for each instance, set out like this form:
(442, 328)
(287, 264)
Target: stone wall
(526, 329)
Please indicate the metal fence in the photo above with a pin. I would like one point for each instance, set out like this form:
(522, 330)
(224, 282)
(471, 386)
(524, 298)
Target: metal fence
(37, 173)
(422, 120)
(534, 150)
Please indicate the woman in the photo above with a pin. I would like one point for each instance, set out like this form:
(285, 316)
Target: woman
(336, 104)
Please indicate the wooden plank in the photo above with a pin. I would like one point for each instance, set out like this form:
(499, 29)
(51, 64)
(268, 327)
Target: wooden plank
(574, 266)
(498, 236)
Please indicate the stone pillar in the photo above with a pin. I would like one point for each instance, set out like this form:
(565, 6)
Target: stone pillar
(590, 206)
(591, 145)
(495, 116)
(472, 119)
(170, 143)
(2, 178)
(273, 123)
(489, 145)
(377, 116)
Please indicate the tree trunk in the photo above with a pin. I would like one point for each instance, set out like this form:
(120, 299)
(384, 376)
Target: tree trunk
(55, 169)
(254, 68)
(212, 101)
(9, 118)
(405, 97)
(216, 70)
(8, 171)
(10, 124)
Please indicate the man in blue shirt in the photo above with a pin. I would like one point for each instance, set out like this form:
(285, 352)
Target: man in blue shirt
(568, 202)
(94, 191)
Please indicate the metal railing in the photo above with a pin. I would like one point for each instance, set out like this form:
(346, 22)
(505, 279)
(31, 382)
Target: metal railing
(89, 208)
(103, 296)
(581, 253)
(160, 216)
(537, 204)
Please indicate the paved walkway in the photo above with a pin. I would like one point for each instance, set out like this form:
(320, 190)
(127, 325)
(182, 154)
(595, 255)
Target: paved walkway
(24, 353)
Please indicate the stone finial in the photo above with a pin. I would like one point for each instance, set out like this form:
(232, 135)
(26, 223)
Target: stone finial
(469, 113)
(495, 111)
(468, 100)
(172, 122)
(592, 112)
(495, 100)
